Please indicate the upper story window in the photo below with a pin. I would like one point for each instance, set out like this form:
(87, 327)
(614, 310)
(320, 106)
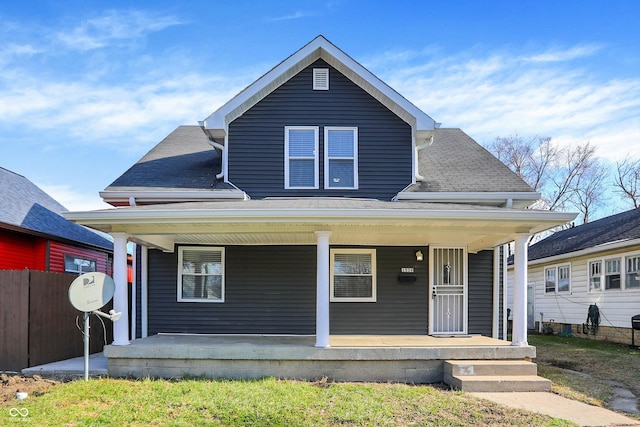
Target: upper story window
(301, 157)
(557, 279)
(341, 158)
(353, 275)
(78, 265)
(200, 274)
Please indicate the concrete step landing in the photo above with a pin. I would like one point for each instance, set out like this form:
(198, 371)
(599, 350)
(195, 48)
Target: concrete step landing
(494, 376)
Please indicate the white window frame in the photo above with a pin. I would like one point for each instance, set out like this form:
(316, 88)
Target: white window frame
(181, 250)
(327, 159)
(547, 288)
(91, 263)
(620, 273)
(598, 275)
(372, 253)
(627, 271)
(557, 269)
(287, 158)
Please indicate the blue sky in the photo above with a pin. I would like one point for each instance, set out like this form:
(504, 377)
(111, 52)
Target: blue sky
(87, 87)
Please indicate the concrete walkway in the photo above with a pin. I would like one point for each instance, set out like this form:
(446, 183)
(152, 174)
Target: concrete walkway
(560, 407)
(543, 403)
(71, 367)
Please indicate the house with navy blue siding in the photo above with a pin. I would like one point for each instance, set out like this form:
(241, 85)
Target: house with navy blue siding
(318, 205)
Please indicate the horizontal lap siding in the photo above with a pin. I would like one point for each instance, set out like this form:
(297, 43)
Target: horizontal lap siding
(401, 307)
(481, 293)
(272, 290)
(58, 250)
(19, 251)
(256, 139)
(268, 290)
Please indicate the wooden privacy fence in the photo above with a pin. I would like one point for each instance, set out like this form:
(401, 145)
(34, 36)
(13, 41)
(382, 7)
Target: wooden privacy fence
(37, 321)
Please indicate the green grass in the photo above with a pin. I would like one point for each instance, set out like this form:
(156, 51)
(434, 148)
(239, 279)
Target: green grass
(268, 402)
(602, 361)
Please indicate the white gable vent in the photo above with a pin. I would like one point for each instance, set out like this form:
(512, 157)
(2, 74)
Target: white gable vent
(320, 79)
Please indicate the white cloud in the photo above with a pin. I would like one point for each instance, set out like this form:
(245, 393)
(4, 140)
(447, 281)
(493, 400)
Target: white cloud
(72, 199)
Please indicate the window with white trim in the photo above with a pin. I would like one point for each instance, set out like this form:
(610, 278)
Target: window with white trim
(353, 275)
(632, 278)
(557, 279)
(301, 157)
(200, 274)
(78, 265)
(595, 276)
(612, 274)
(341, 158)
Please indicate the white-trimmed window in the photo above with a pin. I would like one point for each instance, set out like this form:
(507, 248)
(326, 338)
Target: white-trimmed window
(612, 274)
(200, 274)
(557, 279)
(78, 265)
(353, 275)
(595, 276)
(632, 278)
(301, 157)
(341, 158)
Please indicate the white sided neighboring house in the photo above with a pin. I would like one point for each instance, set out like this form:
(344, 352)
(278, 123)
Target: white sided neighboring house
(592, 265)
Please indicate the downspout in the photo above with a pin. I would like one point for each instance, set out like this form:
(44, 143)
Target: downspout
(426, 144)
(217, 146)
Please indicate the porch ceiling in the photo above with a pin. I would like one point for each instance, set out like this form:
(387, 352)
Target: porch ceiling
(295, 221)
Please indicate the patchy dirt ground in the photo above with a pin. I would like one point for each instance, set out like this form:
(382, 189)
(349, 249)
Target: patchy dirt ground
(10, 384)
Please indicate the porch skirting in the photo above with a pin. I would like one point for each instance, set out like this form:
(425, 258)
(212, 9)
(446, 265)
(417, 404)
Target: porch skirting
(404, 359)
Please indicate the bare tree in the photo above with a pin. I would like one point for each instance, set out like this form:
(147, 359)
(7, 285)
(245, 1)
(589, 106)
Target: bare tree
(627, 180)
(565, 177)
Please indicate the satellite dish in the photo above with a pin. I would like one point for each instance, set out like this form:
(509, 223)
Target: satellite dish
(91, 291)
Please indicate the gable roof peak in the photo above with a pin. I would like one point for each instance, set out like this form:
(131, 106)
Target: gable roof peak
(319, 48)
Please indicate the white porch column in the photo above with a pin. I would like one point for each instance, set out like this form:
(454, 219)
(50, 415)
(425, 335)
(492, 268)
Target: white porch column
(120, 297)
(322, 289)
(519, 332)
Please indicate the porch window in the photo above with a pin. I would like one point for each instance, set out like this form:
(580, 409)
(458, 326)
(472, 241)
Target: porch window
(633, 272)
(301, 157)
(612, 274)
(595, 273)
(341, 158)
(200, 274)
(353, 275)
(78, 265)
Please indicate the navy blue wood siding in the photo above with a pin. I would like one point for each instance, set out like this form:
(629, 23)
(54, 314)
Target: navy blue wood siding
(272, 290)
(256, 139)
(481, 293)
(401, 307)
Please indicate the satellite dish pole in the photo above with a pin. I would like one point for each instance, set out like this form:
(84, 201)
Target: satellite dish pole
(88, 293)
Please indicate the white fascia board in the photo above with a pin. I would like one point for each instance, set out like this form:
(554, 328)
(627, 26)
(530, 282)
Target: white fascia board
(541, 219)
(173, 196)
(317, 48)
(467, 197)
(619, 244)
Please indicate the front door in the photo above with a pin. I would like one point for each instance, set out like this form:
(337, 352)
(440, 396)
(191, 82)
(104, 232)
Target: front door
(448, 285)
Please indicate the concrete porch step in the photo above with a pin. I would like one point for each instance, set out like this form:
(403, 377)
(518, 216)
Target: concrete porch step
(494, 376)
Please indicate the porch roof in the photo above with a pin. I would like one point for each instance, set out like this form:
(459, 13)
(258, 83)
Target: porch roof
(293, 222)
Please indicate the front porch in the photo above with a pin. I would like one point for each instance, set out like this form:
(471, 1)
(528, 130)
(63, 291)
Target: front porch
(379, 358)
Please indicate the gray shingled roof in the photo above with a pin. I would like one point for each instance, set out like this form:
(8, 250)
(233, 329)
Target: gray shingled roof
(26, 206)
(183, 160)
(457, 163)
(614, 228)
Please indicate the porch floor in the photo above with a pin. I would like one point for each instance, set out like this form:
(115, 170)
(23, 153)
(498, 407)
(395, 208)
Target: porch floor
(395, 358)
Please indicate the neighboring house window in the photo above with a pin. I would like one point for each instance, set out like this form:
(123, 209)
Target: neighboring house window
(301, 157)
(557, 279)
(74, 264)
(550, 280)
(341, 157)
(320, 79)
(633, 272)
(353, 275)
(595, 276)
(612, 274)
(201, 274)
